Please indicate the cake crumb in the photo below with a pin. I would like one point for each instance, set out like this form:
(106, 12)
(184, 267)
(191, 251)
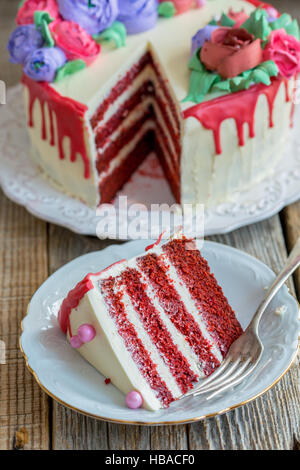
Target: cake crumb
(281, 310)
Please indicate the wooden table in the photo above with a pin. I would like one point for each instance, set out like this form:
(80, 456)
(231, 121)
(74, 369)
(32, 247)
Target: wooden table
(30, 250)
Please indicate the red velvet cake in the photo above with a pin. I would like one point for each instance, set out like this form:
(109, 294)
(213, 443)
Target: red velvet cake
(155, 325)
(208, 85)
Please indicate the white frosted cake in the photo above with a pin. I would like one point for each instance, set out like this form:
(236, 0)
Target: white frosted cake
(207, 85)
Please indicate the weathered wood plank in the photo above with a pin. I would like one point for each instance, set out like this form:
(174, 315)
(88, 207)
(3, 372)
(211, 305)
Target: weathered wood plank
(23, 267)
(24, 408)
(291, 222)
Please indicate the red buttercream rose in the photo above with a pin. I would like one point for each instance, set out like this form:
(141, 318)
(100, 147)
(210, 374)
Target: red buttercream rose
(239, 17)
(284, 50)
(74, 41)
(26, 12)
(231, 51)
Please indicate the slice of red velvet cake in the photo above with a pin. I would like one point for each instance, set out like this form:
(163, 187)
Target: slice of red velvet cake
(154, 325)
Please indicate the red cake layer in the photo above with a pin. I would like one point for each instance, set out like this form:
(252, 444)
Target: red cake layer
(116, 180)
(160, 336)
(212, 305)
(124, 138)
(104, 131)
(119, 88)
(174, 182)
(132, 342)
(175, 309)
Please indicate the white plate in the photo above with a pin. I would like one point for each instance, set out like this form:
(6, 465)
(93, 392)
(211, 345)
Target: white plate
(68, 378)
(22, 182)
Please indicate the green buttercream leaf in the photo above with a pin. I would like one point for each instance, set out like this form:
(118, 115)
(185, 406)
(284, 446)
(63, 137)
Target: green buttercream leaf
(42, 19)
(166, 9)
(257, 24)
(286, 22)
(281, 22)
(223, 86)
(116, 33)
(213, 23)
(293, 29)
(69, 68)
(226, 21)
(261, 76)
(21, 3)
(195, 62)
(200, 85)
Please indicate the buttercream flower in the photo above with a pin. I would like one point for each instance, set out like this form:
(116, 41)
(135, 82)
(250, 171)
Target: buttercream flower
(138, 15)
(74, 41)
(182, 5)
(284, 50)
(231, 51)
(201, 36)
(26, 12)
(43, 63)
(94, 16)
(23, 41)
(239, 17)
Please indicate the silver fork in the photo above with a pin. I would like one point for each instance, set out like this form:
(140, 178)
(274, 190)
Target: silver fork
(245, 353)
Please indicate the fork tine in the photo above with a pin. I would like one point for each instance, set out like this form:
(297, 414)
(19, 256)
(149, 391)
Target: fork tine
(208, 380)
(234, 382)
(226, 372)
(232, 375)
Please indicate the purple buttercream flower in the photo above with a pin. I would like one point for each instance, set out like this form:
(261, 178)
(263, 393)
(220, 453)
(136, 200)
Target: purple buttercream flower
(138, 15)
(43, 63)
(23, 41)
(92, 15)
(201, 36)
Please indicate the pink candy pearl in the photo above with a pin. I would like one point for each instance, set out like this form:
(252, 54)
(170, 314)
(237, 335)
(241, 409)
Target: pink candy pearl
(75, 342)
(134, 400)
(86, 333)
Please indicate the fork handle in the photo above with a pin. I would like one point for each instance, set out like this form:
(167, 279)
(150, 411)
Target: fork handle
(290, 266)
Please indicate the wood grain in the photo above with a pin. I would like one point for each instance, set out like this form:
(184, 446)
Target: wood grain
(30, 250)
(23, 267)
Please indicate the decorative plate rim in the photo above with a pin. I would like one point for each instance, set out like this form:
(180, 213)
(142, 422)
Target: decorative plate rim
(155, 423)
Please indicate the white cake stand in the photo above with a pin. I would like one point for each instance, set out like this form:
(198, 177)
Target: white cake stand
(23, 182)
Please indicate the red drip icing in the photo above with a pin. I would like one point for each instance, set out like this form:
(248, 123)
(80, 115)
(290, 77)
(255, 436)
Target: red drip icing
(74, 296)
(259, 4)
(72, 301)
(70, 119)
(239, 106)
(149, 247)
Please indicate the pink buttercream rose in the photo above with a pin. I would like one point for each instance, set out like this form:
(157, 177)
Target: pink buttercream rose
(26, 12)
(239, 17)
(74, 41)
(284, 50)
(181, 5)
(231, 51)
